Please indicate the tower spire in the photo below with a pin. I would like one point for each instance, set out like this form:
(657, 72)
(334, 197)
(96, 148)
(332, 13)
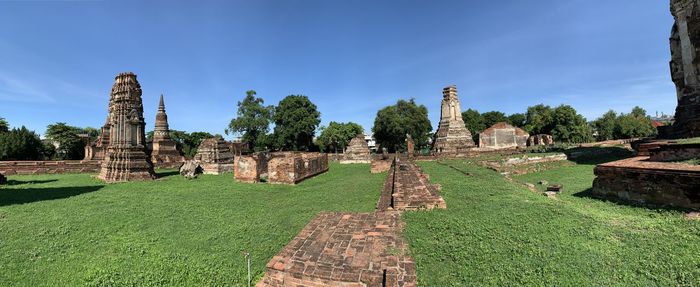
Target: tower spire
(161, 105)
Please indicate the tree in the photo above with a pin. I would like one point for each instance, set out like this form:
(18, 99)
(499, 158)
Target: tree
(605, 126)
(474, 122)
(493, 117)
(517, 119)
(569, 126)
(296, 119)
(338, 135)
(68, 143)
(634, 125)
(405, 117)
(4, 126)
(253, 120)
(20, 144)
(539, 119)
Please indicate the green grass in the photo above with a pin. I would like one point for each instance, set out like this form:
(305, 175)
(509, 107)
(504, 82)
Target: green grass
(496, 233)
(72, 230)
(689, 140)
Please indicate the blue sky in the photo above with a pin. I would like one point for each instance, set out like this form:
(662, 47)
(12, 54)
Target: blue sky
(351, 58)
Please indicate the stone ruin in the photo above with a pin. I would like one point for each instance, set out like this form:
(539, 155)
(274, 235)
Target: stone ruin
(126, 157)
(214, 156)
(540, 139)
(357, 151)
(191, 169)
(96, 150)
(503, 136)
(407, 188)
(280, 167)
(410, 146)
(452, 137)
(685, 69)
(164, 151)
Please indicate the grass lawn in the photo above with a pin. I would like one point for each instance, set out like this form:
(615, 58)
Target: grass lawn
(69, 230)
(496, 233)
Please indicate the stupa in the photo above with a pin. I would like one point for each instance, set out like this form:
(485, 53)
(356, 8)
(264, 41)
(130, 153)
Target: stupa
(126, 157)
(214, 156)
(452, 137)
(357, 151)
(164, 151)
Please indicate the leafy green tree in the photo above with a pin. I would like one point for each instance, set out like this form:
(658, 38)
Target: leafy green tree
(569, 126)
(605, 126)
(539, 119)
(20, 144)
(296, 119)
(517, 119)
(91, 132)
(4, 126)
(253, 120)
(493, 117)
(634, 125)
(405, 117)
(69, 146)
(337, 135)
(191, 141)
(474, 122)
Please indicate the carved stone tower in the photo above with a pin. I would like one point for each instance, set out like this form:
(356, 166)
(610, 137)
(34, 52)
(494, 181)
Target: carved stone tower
(452, 137)
(126, 158)
(164, 151)
(685, 69)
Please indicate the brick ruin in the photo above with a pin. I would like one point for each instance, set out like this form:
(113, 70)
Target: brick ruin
(49, 166)
(280, 167)
(345, 249)
(357, 151)
(503, 136)
(96, 150)
(407, 188)
(685, 67)
(540, 139)
(452, 137)
(126, 157)
(164, 151)
(214, 156)
(410, 146)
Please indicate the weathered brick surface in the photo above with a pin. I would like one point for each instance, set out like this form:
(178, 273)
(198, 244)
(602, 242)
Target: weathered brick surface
(380, 165)
(452, 137)
(674, 152)
(356, 152)
(407, 188)
(503, 135)
(214, 156)
(641, 181)
(293, 167)
(345, 249)
(41, 167)
(250, 168)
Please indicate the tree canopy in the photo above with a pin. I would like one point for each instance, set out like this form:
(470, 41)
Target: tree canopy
(569, 126)
(66, 138)
(296, 119)
(612, 125)
(405, 117)
(20, 144)
(4, 126)
(336, 136)
(252, 121)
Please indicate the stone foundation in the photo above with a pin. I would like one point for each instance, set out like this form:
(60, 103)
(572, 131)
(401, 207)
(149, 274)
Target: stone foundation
(639, 180)
(250, 168)
(293, 167)
(50, 167)
(380, 165)
(356, 152)
(407, 188)
(345, 249)
(675, 152)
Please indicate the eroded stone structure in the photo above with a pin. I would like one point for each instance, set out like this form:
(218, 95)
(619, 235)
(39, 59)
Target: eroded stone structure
(410, 146)
(502, 136)
(126, 157)
(191, 169)
(164, 151)
(214, 156)
(49, 166)
(345, 249)
(540, 139)
(357, 151)
(685, 69)
(407, 188)
(251, 168)
(452, 137)
(96, 150)
(293, 167)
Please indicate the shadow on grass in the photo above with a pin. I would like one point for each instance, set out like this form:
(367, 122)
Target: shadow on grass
(10, 196)
(597, 155)
(588, 193)
(167, 173)
(16, 182)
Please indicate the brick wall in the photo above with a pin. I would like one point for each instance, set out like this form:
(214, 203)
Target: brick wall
(675, 152)
(250, 168)
(293, 167)
(42, 167)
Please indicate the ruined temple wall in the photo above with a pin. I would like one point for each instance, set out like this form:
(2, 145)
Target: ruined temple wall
(675, 152)
(293, 167)
(503, 135)
(49, 167)
(250, 168)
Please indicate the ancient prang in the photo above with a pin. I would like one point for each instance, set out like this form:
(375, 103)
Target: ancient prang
(685, 69)
(452, 137)
(126, 158)
(357, 151)
(96, 150)
(164, 151)
(214, 156)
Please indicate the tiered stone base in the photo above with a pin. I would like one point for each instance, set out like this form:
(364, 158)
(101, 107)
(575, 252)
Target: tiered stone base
(126, 165)
(452, 138)
(345, 249)
(641, 181)
(164, 154)
(407, 188)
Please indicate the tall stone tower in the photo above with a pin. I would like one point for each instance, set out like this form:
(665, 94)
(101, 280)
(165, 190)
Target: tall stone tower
(685, 69)
(164, 151)
(452, 137)
(126, 158)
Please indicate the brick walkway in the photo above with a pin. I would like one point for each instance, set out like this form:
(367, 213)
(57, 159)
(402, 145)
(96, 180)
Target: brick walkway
(407, 188)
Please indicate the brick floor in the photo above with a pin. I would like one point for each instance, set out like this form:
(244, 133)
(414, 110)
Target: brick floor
(407, 188)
